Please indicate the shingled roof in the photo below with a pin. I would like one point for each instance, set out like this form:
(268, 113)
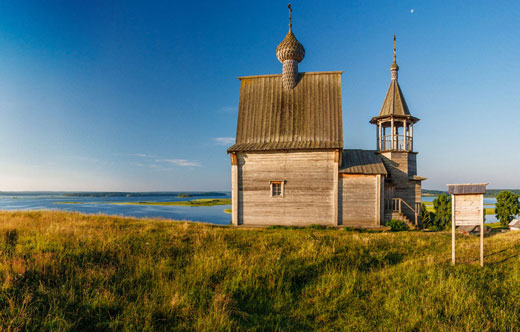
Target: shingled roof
(467, 188)
(306, 117)
(394, 103)
(361, 162)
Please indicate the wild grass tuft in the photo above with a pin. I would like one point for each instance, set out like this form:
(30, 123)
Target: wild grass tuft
(73, 272)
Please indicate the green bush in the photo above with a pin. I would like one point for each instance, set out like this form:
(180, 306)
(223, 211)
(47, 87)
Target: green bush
(507, 207)
(442, 207)
(397, 225)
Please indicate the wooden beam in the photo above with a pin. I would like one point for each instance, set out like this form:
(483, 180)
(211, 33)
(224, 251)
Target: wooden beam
(350, 175)
(392, 133)
(378, 200)
(335, 187)
(337, 157)
(234, 190)
(482, 231)
(453, 205)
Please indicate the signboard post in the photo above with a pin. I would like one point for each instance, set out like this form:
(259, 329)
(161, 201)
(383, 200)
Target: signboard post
(467, 209)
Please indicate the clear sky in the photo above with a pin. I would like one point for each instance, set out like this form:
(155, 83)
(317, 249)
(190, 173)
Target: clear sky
(143, 96)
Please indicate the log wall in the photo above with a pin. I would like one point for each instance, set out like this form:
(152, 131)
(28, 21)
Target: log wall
(310, 188)
(402, 166)
(360, 200)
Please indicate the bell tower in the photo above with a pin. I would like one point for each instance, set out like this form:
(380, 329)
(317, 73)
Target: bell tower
(395, 146)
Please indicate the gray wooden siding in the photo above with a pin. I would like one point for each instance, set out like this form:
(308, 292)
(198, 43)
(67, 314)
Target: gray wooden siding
(360, 204)
(309, 188)
(468, 209)
(401, 166)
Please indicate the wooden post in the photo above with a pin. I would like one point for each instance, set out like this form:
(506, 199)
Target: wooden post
(411, 135)
(405, 133)
(453, 229)
(392, 134)
(234, 189)
(378, 199)
(335, 194)
(377, 135)
(381, 137)
(482, 232)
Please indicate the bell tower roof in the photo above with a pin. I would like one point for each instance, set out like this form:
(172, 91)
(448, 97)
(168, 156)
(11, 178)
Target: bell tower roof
(394, 104)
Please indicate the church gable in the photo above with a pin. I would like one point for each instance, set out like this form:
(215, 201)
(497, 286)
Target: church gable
(307, 116)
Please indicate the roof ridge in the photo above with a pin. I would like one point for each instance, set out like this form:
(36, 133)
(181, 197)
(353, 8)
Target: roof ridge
(304, 73)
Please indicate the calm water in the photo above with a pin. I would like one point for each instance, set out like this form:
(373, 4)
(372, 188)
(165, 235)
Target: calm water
(92, 205)
(488, 203)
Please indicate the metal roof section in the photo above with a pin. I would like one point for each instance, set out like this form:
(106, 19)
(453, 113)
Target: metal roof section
(361, 162)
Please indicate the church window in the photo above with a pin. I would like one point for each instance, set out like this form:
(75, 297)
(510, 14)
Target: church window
(277, 188)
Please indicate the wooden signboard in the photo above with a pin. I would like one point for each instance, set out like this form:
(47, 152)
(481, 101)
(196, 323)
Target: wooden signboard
(467, 209)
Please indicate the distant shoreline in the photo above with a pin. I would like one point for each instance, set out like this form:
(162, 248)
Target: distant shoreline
(490, 193)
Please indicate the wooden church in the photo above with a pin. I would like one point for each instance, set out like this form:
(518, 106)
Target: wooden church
(289, 166)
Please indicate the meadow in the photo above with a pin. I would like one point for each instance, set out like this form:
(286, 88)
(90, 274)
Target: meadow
(63, 271)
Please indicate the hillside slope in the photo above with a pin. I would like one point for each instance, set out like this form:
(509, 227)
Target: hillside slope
(71, 272)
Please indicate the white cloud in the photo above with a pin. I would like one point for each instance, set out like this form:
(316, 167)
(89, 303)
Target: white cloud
(224, 140)
(180, 162)
(143, 155)
(227, 109)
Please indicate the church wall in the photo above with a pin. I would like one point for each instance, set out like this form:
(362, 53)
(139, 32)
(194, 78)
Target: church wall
(402, 166)
(361, 200)
(309, 188)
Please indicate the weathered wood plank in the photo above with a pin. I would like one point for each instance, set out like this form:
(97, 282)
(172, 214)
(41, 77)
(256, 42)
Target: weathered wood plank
(308, 183)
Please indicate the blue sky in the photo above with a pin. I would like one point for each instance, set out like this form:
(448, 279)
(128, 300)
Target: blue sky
(143, 95)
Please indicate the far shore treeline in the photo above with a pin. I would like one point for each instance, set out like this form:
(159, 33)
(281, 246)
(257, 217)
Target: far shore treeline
(179, 194)
(490, 193)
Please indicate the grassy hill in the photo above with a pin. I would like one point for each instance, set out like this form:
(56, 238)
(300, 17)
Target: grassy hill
(71, 272)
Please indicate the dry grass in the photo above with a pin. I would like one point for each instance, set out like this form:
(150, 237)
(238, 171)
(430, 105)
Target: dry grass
(72, 272)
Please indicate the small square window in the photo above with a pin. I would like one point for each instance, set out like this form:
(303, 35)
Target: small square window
(277, 188)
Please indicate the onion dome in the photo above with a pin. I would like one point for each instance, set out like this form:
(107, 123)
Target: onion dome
(290, 52)
(290, 48)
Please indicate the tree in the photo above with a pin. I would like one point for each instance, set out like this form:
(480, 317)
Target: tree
(427, 217)
(507, 207)
(442, 207)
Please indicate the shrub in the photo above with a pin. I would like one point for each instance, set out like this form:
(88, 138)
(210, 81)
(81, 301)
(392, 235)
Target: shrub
(442, 206)
(427, 217)
(397, 225)
(507, 207)
(315, 226)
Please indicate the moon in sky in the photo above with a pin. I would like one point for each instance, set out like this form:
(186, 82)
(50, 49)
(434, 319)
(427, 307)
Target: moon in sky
(412, 10)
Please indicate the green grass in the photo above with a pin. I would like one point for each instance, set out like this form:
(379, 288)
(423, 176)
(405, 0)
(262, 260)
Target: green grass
(73, 272)
(228, 211)
(194, 202)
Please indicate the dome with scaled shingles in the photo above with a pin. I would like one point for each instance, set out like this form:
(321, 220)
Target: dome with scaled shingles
(290, 48)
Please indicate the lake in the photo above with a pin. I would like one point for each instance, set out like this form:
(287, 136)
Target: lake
(488, 203)
(93, 203)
